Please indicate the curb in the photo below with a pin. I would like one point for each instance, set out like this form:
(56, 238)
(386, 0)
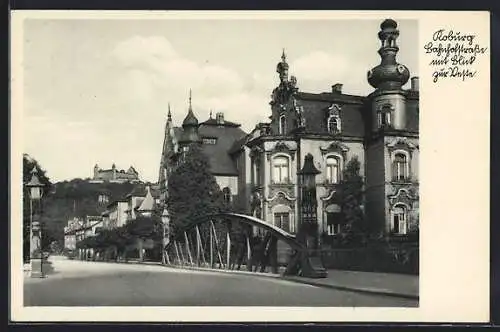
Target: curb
(356, 289)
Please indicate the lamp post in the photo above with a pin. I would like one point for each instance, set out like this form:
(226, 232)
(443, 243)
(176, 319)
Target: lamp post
(309, 203)
(36, 256)
(165, 220)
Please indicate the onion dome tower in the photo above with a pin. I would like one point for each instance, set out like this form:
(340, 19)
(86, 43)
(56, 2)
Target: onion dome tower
(388, 100)
(190, 127)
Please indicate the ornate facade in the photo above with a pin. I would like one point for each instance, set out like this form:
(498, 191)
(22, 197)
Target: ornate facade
(380, 130)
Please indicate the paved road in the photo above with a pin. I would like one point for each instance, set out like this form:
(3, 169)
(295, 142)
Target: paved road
(76, 283)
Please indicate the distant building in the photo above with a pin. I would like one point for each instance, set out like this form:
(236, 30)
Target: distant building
(141, 202)
(78, 229)
(115, 214)
(70, 230)
(115, 175)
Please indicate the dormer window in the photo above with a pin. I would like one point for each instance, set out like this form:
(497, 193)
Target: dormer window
(282, 125)
(333, 124)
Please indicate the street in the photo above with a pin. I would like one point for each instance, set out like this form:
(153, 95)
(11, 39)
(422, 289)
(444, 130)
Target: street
(77, 283)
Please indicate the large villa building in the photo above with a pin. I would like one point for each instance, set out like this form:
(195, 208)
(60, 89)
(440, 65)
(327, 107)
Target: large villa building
(258, 170)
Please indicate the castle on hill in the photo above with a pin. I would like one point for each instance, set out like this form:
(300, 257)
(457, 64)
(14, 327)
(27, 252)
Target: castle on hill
(115, 175)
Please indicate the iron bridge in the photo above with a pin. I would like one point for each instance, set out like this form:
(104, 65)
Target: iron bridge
(233, 241)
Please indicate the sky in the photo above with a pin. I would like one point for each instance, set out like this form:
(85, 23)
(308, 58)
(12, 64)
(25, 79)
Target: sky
(97, 91)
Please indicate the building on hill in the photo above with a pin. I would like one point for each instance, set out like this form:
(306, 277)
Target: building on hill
(261, 169)
(216, 136)
(115, 175)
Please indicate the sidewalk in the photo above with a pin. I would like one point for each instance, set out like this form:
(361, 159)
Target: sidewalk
(390, 284)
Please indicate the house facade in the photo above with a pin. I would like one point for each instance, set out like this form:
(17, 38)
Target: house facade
(380, 130)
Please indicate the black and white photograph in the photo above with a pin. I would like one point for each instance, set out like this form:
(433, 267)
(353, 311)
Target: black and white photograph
(222, 161)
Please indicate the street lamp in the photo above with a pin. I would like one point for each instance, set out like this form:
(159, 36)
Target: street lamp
(165, 221)
(309, 203)
(36, 256)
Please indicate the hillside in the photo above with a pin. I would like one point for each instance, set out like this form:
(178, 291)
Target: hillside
(77, 198)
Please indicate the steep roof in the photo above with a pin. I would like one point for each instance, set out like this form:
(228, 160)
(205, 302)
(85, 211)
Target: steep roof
(148, 202)
(351, 114)
(140, 191)
(226, 135)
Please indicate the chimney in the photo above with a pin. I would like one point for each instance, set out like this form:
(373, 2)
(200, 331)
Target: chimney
(219, 118)
(337, 88)
(414, 83)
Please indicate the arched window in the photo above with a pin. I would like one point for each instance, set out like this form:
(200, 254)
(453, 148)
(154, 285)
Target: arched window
(385, 116)
(227, 194)
(282, 125)
(281, 169)
(333, 125)
(399, 220)
(332, 169)
(400, 167)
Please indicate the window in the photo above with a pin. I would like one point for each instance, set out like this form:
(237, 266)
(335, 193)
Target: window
(227, 195)
(399, 220)
(400, 171)
(333, 221)
(384, 116)
(282, 125)
(282, 220)
(332, 170)
(333, 124)
(280, 169)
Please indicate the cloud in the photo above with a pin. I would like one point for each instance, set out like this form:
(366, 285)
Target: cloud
(153, 74)
(318, 70)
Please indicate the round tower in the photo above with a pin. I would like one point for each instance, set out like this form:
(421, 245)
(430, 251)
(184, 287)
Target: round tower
(190, 127)
(389, 99)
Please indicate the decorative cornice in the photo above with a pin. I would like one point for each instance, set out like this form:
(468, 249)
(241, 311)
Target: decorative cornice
(334, 109)
(334, 147)
(402, 196)
(329, 196)
(402, 142)
(278, 194)
(281, 147)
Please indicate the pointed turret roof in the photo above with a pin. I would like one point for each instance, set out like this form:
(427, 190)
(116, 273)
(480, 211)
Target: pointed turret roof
(190, 120)
(148, 202)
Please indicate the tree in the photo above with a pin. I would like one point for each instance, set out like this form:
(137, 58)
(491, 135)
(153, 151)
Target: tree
(193, 192)
(28, 164)
(351, 200)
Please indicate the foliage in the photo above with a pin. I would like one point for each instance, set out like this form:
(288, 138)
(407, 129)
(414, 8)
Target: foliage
(354, 229)
(193, 192)
(76, 198)
(145, 227)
